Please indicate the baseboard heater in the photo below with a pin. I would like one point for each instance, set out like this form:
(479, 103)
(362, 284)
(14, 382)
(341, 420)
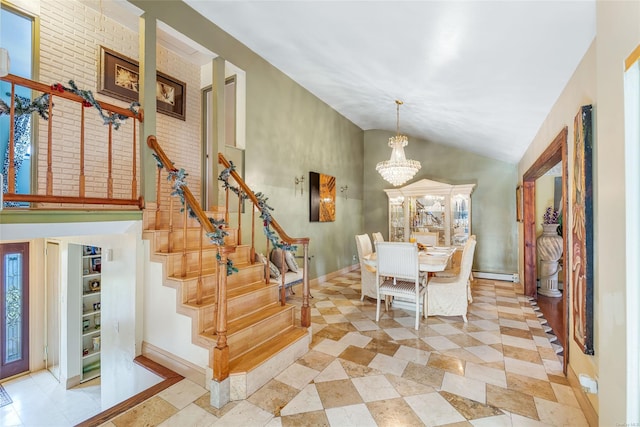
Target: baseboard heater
(508, 277)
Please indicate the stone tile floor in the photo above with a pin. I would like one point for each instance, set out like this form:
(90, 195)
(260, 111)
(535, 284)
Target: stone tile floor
(499, 369)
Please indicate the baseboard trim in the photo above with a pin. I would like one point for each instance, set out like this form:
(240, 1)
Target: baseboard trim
(327, 277)
(507, 277)
(584, 402)
(177, 364)
(169, 378)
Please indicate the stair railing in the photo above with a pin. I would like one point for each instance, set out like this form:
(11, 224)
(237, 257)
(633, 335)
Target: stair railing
(56, 150)
(305, 315)
(220, 355)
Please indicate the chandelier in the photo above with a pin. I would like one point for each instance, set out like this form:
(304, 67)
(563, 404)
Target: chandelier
(398, 170)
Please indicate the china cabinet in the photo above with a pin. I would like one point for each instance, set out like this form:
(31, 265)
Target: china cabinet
(431, 206)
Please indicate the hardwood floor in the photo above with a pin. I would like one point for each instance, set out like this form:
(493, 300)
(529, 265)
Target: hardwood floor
(553, 311)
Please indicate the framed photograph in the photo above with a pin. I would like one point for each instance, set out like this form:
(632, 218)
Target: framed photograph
(519, 201)
(118, 77)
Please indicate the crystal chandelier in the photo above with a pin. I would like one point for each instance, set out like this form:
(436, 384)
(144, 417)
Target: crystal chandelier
(398, 170)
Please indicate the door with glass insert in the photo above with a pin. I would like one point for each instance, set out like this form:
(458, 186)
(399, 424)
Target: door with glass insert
(14, 306)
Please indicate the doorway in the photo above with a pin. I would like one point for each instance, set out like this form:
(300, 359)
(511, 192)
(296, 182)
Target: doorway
(556, 152)
(52, 335)
(14, 308)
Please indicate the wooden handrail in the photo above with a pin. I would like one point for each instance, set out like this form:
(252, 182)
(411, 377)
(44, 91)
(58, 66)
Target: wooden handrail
(245, 188)
(46, 194)
(197, 210)
(41, 87)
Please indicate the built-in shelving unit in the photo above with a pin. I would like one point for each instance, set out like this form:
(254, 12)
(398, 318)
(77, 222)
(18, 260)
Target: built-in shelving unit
(91, 287)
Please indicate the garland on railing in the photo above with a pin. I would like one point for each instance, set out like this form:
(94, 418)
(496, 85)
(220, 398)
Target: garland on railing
(265, 209)
(24, 105)
(40, 104)
(218, 234)
(89, 101)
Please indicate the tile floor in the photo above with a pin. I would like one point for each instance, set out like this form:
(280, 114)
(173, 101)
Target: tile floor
(497, 370)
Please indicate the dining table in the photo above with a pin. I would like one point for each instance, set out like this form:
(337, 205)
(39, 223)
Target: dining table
(430, 260)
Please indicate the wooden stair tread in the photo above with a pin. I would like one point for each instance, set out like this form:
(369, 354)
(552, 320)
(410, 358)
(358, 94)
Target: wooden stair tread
(249, 320)
(206, 301)
(247, 289)
(206, 271)
(264, 351)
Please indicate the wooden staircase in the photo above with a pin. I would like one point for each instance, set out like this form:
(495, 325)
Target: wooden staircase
(259, 328)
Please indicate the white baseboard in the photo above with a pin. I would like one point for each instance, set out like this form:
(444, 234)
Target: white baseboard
(175, 363)
(507, 277)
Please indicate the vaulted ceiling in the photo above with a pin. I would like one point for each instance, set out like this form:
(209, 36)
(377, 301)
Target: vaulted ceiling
(476, 75)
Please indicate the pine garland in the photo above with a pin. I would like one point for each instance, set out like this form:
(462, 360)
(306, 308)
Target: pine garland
(89, 101)
(179, 178)
(24, 105)
(265, 209)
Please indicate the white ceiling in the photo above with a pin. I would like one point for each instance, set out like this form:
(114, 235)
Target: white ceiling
(477, 75)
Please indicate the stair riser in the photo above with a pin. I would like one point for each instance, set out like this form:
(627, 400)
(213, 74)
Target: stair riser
(194, 236)
(178, 218)
(249, 303)
(209, 261)
(244, 340)
(247, 274)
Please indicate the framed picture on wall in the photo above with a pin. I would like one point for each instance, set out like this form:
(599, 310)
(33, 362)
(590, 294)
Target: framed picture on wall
(119, 76)
(322, 197)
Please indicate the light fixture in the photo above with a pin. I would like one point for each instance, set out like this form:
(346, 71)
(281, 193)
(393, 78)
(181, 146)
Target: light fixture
(301, 182)
(398, 170)
(5, 62)
(345, 189)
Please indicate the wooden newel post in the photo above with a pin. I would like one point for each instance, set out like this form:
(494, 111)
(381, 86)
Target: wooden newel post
(220, 360)
(305, 312)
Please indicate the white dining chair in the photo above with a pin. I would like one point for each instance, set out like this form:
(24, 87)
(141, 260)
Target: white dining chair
(367, 272)
(399, 276)
(426, 238)
(456, 261)
(450, 296)
(377, 237)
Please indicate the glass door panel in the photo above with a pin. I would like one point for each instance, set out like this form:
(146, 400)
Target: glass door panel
(14, 305)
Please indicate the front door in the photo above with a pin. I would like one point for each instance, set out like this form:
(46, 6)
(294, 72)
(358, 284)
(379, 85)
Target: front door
(14, 308)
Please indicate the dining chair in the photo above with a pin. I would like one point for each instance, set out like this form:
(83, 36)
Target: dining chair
(367, 272)
(377, 237)
(456, 260)
(398, 275)
(450, 296)
(426, 238)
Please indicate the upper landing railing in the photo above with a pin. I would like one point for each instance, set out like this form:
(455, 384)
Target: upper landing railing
(79, 159)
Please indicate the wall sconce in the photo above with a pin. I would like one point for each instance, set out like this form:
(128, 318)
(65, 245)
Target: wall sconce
(299, 181)
(345, 190)
(5, 62)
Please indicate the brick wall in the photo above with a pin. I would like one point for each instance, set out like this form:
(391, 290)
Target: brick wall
(70, 38)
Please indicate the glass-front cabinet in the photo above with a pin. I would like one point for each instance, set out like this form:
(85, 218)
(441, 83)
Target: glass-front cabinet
(431, 206)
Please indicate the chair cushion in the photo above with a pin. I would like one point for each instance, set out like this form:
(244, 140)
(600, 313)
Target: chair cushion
(291, 261)
(401, 287)
(274, 272)
(276, 258)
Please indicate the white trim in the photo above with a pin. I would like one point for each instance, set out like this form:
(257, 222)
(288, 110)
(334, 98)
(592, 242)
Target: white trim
(508, 277)
(632, 199)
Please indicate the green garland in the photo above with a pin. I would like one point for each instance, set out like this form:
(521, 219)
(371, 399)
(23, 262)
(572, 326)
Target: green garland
(179, 178)
(40, 105)
(23, 105)
(265, 209)
(89, 101)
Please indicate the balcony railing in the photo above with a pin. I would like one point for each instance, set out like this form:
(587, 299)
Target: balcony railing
(78, 158)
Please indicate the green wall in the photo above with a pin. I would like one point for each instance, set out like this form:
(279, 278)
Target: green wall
(290, 132)
(493, 199)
